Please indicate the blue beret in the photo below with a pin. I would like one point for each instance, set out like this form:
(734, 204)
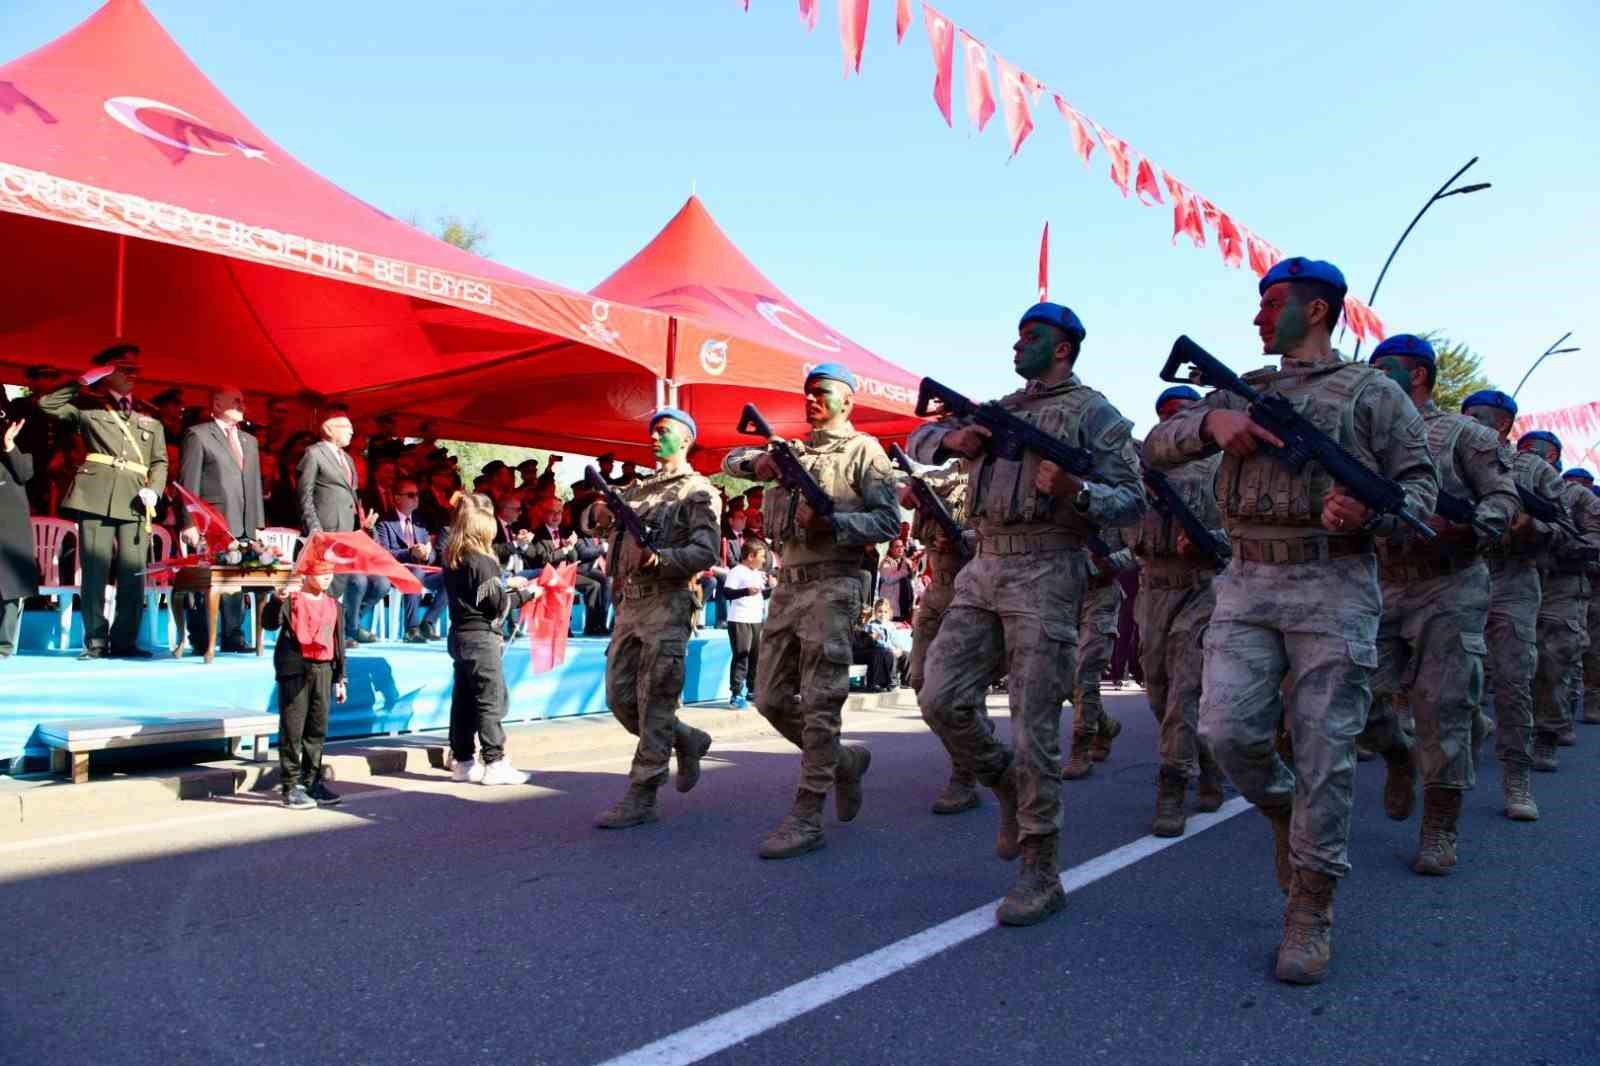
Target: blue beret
(1578, 473)
(1491, 398)
(832, 372)
(1407, 344)
(1299, 268)
(677, 415)
(1540, 434)
(1177, 392)
(1058, 316)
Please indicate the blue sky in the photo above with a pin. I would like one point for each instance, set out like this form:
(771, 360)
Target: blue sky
(574, 131)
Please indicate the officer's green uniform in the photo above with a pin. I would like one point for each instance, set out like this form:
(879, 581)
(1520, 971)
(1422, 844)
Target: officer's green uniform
(126, 453)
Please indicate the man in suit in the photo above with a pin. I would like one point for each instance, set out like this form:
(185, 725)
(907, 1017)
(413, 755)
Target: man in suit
(556, 542)
(330, 501)
(113, 494)
(221, 464)
(403, 536)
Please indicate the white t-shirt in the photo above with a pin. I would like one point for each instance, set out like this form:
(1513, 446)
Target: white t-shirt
(752, 608)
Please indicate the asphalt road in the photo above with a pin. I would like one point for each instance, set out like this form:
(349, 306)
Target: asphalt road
(432, 922)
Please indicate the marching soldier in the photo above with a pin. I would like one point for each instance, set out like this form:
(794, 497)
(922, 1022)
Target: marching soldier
(655, 608)
(1172, 609)
(805, 643)
(1017, 601)
(1435, 608)
(945, 560)
(113, 494)
(1589, 702)
(1093, 729)
(1299, 600)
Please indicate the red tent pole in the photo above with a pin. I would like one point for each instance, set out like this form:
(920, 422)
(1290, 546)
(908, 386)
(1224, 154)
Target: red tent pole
(122, 271)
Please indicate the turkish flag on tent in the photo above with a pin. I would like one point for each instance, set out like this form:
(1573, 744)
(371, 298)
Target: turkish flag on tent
(852, 32)
(144, 203)
(355, 553)
(941, 38)
(1082, 143)
(211, 523)
(1014, 102)
(980, 97)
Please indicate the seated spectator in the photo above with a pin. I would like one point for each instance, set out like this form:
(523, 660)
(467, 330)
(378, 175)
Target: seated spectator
(403, 536)
(871, 647)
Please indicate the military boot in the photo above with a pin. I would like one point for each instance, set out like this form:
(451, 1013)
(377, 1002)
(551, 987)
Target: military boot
(1516, 784)
(853, 763)
(1100, 745)
(1545, 759)
(1436, 849)
(636, 807)
(1568, 737)
(1208, 790)
(1080, 763)
(1280, 843)
(691, 746)
(799, 832)
(1307, 929)
(960, 794)
(1171, 785)
(1006, 841)
(1591, 704)
(1038, 893)
(1399, 783)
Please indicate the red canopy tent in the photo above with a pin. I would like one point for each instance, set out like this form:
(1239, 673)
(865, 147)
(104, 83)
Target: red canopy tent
(737, 338)
(137, 202)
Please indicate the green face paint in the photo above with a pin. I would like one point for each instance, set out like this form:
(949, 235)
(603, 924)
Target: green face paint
(833, 400)
(1396, 371)
(1290, 329)
(1035, 350)
(669, 441)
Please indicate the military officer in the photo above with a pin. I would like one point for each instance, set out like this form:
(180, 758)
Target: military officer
(113, 494)
(1299, 600)
(805, 643)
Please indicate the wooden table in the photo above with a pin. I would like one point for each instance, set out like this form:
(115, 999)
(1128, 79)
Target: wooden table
(215, 582)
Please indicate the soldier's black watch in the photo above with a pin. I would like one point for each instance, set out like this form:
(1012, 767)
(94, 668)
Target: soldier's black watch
(1081, 501)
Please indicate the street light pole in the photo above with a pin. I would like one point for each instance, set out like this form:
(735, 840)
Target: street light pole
(1444, 190)
(1548, 352)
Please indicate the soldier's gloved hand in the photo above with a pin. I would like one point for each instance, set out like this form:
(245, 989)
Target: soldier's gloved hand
(649, 561)
(94, 374)
(1051, 480)
(765, 468)
(968, 442)
(148, 495)
(1235, 432)
(1344, 514)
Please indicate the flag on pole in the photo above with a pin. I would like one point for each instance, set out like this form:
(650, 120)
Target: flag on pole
(1044, 264)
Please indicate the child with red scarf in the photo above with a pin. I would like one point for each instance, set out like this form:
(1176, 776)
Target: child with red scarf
(309, 660)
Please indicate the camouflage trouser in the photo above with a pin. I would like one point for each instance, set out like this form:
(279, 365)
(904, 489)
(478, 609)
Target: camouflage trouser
(1511, 635)
(1097, 635)
(925, 622)
(644, 676)
(1591, 657)
(1172, 623)
(1315, 624)
(1020, 611)
(1563, 636)
(1431, 645)
(804, 674)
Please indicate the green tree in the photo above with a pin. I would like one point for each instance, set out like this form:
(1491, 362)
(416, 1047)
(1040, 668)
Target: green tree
(472, 456)
(1460, 372)
(453, 229)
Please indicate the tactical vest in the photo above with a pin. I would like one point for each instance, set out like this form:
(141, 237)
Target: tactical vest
(1156, 535)
(1001, 491)
(1259, 490)
(661, 501)
(1444, 429)
(829, 465)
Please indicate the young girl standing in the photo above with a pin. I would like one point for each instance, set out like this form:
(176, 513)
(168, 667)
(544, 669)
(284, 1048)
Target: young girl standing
(478, 603)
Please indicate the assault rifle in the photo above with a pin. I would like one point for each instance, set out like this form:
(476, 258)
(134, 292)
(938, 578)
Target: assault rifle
(791, 475)
(1462, 513)
(1009, 436)
(636, 526)
(1547, 511)
(929, 503)
(1171, 505)
(1302, 441)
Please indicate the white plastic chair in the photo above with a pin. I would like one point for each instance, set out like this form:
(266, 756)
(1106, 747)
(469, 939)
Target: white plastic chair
(49, 539)
(157, 584)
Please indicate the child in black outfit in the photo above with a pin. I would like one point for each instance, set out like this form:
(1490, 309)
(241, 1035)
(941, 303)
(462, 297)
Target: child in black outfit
(309, 661)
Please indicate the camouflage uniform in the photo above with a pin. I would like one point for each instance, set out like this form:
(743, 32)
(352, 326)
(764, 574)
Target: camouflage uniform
(1591, 657)
(644, 661)
(1016, 603)
(1563, 618)
(124, 456)
(1512, 632)
(1097, 635)
(805, 642)
(1297, 601)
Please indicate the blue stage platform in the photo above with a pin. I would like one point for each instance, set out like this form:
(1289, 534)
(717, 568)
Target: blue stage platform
(394, 687)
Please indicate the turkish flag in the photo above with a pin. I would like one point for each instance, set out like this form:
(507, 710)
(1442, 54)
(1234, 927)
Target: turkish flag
(1185, 212)
(1117, 149)
(1014, 102)
(1363, 320)
(1044, 264)
(941, 38)
(211, 523)
(808, 13)
(1149, 190)
(356, 553)
(980, 97)
(549, 618)
(902, 20)
(853, 32)
(1262, 255)
(1082, 143)
(1229, 241)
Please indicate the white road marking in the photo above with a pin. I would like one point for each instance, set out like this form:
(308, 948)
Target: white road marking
(740, 1024)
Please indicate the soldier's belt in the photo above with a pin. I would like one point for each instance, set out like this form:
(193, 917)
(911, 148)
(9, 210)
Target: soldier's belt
(1169, 578)
(1301, 549)
(795, 575)
(644, 590)
(120, 464)
(1425, 568)
(1028, 543)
